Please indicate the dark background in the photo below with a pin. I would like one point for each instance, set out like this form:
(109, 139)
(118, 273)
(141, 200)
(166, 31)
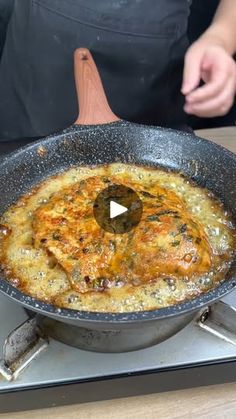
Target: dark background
(200, 18)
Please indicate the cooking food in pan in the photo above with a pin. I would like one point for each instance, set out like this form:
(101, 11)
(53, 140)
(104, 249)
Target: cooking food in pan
(53, 249)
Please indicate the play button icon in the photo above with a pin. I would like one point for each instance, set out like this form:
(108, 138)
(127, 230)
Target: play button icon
(117, 209)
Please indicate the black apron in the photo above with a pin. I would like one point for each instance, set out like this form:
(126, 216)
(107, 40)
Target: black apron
(138, 46)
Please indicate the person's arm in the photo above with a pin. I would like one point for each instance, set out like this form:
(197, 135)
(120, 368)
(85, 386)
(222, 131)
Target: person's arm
(210, 59)
(223, 26)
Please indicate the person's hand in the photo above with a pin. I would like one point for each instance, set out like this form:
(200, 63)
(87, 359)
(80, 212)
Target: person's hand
(208, 61)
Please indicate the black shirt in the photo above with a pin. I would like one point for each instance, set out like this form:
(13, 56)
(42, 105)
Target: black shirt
(138, 46)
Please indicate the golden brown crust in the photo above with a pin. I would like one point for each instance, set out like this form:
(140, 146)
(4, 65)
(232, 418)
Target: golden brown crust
(167, 240)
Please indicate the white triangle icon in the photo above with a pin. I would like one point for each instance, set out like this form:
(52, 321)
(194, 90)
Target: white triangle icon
(116, 209)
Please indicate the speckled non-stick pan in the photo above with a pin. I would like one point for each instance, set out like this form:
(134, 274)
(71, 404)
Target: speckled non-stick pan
(98, 137)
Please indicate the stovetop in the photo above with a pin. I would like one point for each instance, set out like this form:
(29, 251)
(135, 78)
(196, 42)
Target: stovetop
(60, 363)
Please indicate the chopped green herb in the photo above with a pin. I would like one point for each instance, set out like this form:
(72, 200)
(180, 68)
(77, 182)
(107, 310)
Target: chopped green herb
(147, 194)
(106, 180)
(167, 212)
(153, 217)
(189, 238)
(98, 282)
(98, 247)
(183, 228)
(56, 236)
(175, 243)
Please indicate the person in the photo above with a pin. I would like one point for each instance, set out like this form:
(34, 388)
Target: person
(199, 19)
(139, 47)
(210, 59)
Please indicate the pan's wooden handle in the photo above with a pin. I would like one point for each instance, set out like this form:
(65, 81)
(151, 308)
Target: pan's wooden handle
(93, 105)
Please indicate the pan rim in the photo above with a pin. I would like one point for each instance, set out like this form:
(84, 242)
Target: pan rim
(111, 125)
(47, 309)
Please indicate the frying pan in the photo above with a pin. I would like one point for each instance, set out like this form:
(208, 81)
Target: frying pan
(99, 137)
